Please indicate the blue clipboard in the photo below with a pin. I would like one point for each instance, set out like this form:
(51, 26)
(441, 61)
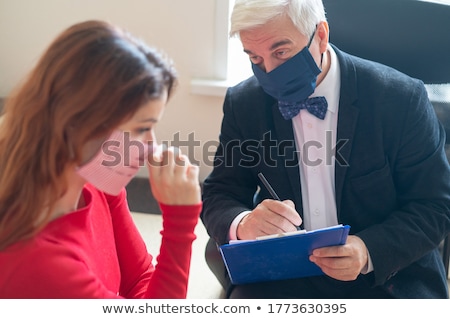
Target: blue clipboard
(279, 258)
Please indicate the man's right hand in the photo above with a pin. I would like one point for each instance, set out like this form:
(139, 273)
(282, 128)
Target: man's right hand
(269, 217)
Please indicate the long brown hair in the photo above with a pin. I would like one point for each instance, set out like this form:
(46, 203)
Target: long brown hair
(92, 77)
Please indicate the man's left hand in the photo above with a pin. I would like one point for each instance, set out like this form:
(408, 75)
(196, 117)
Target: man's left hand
(343, 262)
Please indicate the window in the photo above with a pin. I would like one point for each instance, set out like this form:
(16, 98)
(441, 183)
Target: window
(232, 64)
(438, 1)
(239, 65)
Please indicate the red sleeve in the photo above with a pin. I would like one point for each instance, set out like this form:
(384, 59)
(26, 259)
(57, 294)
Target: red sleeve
(169, 278)
(135, 263)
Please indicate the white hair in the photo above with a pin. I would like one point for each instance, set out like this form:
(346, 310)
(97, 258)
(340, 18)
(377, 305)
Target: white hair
(248, 14)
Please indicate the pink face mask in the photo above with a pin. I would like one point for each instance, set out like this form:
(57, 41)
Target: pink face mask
(115, 164)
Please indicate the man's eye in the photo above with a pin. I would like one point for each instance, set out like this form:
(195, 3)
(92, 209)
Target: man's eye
(255, 59)
(281, 54)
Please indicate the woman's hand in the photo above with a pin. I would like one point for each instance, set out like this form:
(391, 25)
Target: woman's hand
(173, 179)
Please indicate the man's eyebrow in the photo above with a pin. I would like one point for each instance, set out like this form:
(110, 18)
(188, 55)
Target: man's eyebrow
(280, 43)
(274, 46)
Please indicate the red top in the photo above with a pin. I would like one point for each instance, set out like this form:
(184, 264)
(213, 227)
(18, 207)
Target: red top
(97, 252)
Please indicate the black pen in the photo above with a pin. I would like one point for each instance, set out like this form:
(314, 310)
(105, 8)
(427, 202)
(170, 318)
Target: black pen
(268, 186)
(271, 190)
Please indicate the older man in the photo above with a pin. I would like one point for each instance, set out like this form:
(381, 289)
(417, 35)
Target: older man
(343, 140)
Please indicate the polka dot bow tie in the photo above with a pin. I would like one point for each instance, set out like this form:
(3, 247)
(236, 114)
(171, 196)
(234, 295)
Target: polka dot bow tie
(317, 106)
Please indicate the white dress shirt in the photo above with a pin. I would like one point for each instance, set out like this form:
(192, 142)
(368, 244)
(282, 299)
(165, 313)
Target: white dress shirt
(315, 141)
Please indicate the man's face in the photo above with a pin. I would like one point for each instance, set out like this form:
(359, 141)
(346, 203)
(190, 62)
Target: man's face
(273, 43)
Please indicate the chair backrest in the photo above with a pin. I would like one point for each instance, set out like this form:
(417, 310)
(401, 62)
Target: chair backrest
(411, 36)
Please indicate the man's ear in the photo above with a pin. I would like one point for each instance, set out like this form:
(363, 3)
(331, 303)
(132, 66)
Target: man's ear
(323, 32)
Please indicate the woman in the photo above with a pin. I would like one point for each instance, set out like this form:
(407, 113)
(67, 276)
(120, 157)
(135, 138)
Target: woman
(73, 135)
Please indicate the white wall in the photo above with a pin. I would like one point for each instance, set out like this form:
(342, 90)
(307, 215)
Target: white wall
(184, 29)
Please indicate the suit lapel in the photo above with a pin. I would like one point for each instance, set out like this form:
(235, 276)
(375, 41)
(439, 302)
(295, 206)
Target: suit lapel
(284, 132)
(347, 119)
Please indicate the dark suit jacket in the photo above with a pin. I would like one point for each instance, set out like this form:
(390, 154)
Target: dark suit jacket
(392, 175)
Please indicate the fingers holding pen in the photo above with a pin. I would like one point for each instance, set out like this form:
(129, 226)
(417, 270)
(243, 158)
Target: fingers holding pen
(287, 213)
(269, 217)
(285, 210)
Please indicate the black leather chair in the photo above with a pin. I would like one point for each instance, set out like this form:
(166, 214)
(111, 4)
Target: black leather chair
(408, 35)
